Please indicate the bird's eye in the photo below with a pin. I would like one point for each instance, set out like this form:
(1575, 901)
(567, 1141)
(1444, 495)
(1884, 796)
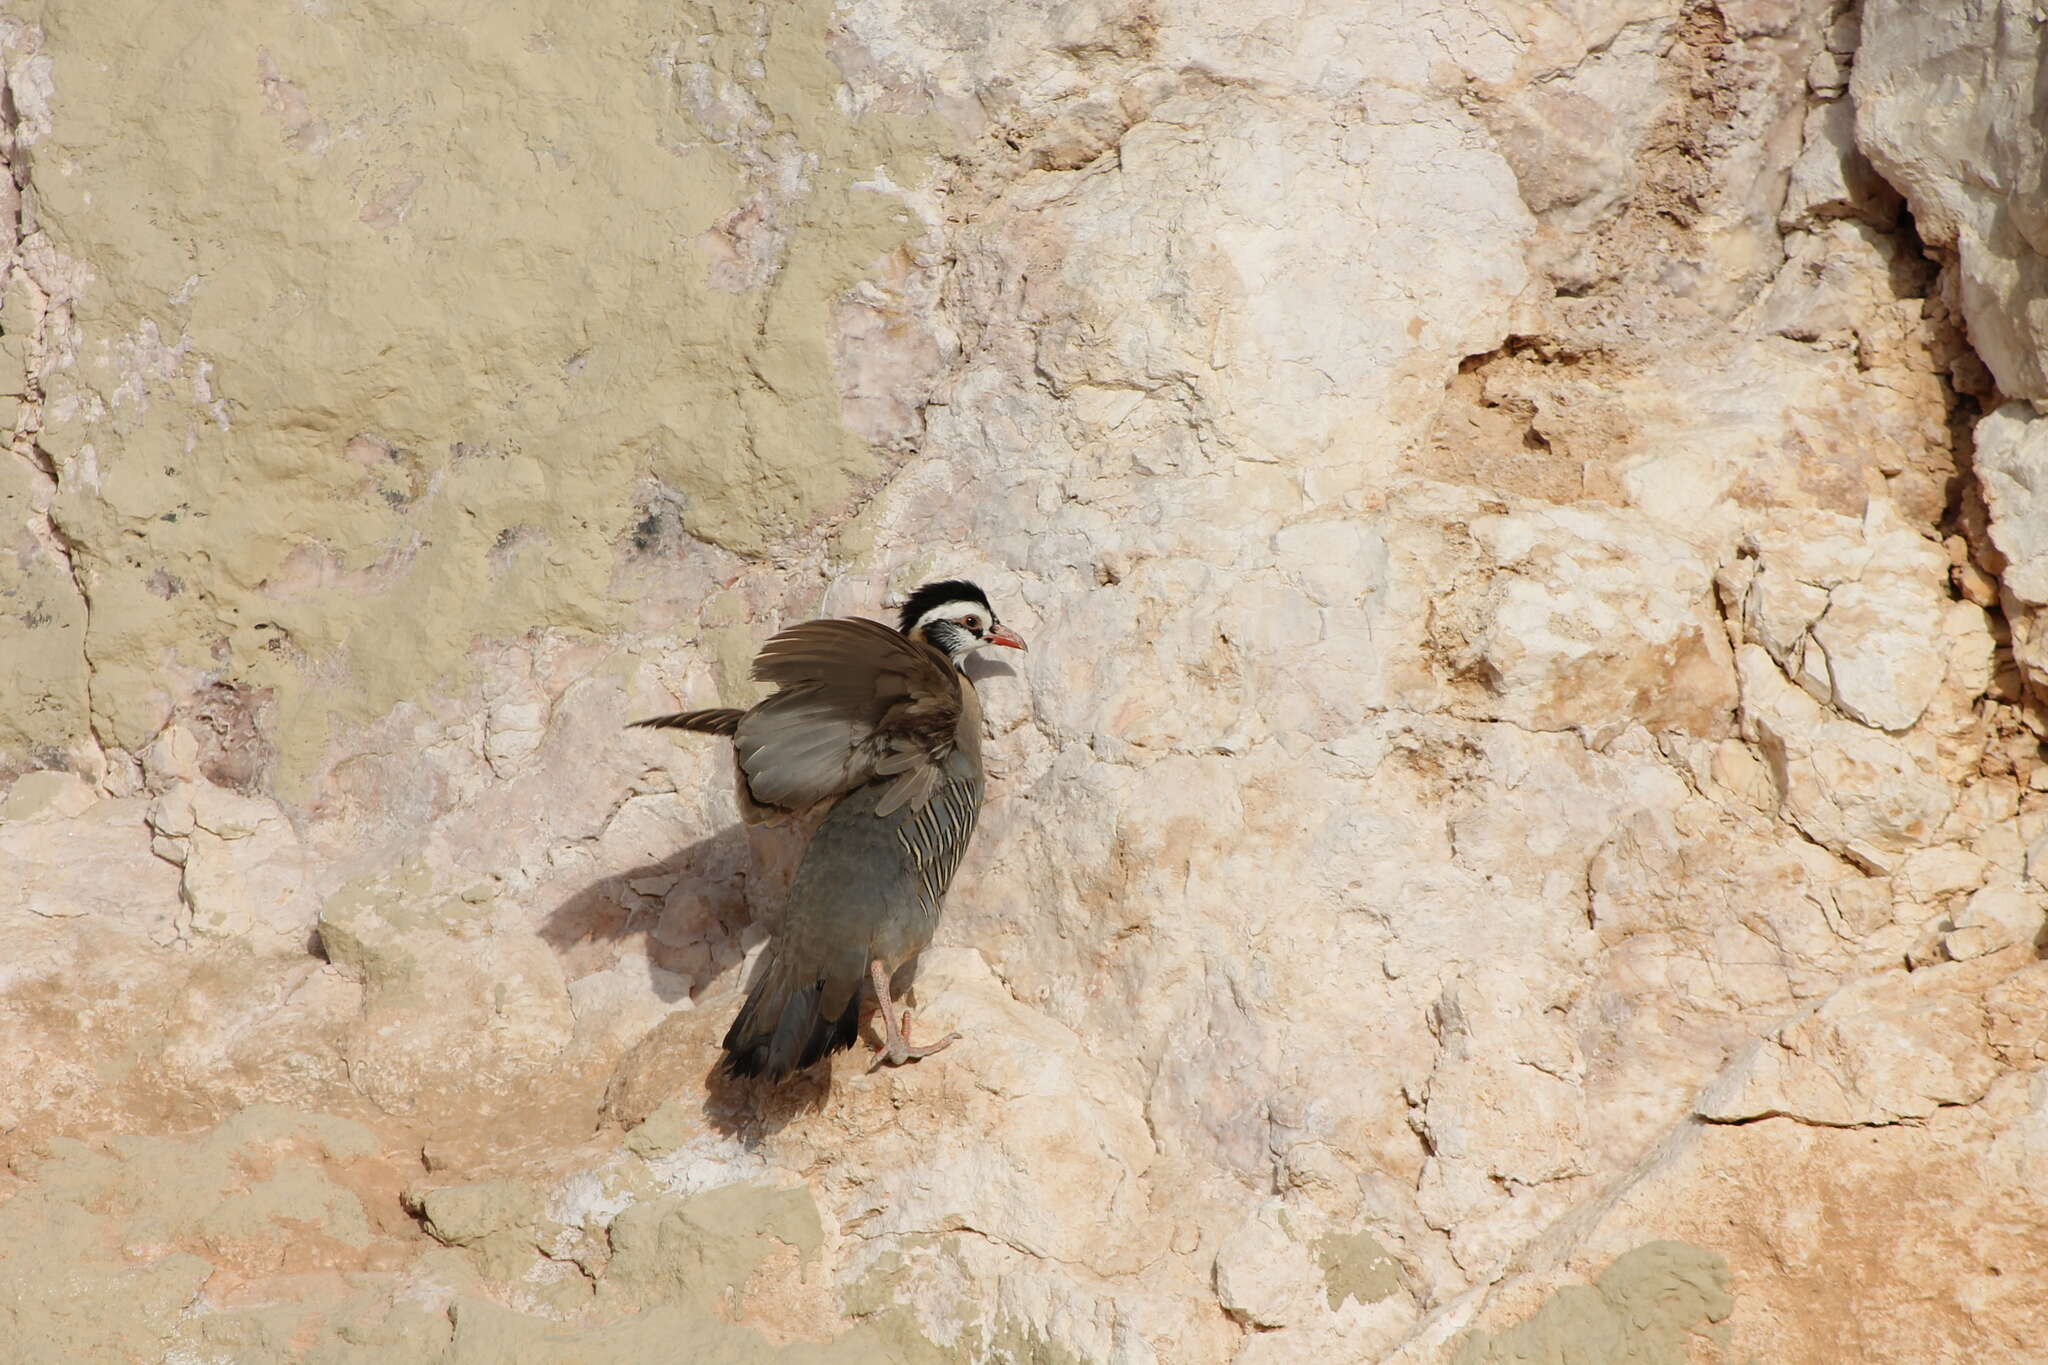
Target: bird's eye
(973, 623)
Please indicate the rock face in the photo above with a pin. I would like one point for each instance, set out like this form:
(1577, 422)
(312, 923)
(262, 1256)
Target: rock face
(1522, 834)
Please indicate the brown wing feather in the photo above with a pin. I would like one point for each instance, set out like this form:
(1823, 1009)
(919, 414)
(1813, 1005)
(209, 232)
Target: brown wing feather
(857, 701)
(717, 720)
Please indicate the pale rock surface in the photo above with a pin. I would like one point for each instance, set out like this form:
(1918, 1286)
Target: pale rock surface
(1994, 918)
(1974, 176)
(1832, 177)
(1881, 1050)
(1264, 1277)
(94, 865)
(243, 867)
(1804, 1187)
(1866, 796)
(2012, 479)
(1521, 834)
(1582, 619)
(47, 794)
(1852, 612)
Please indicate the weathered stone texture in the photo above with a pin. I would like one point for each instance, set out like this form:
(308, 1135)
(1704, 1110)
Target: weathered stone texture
(1522, 834)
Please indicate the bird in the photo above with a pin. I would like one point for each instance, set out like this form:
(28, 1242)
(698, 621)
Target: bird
(883, 724)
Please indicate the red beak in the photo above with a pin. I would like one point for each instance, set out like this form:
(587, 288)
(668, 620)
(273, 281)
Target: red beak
(1003, 635)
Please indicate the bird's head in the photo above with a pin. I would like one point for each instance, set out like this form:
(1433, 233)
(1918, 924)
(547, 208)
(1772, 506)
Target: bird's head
(954, 618)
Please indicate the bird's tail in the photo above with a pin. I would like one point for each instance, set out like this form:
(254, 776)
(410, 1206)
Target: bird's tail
(717, 720)
(786, 1025)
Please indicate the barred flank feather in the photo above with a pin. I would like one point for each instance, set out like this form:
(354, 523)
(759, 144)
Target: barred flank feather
(869, 891)
(937, 839)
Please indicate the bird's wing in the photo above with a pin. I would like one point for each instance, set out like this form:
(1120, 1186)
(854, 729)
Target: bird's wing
(857, 702)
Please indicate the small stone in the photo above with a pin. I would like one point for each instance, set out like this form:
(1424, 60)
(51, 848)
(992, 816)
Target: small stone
(231, 815)
(172, 813)
(515, 732)
(173, 756)
(461, 1214)
(1927, 874)
(1994, 918)
(1263, 1276)
(1863, 905)
(1976, 586)
(1827, 75)
(664, 1131)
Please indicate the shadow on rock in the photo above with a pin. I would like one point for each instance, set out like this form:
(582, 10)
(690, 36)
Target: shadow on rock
(677, 1060)
(695, 910)
(692, 908)
(752, 1110)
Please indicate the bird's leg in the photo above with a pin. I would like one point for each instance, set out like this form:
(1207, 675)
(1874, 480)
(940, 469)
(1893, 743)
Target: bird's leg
(896, 1048)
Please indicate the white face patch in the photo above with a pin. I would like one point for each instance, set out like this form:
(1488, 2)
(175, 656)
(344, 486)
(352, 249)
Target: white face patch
(972, 615)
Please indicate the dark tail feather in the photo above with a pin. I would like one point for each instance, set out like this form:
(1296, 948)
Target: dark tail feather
(718, 720)
(781, 1030)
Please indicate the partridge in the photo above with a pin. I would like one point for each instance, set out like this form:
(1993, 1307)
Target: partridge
(885, 726)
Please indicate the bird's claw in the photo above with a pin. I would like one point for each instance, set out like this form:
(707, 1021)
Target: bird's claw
(897, 1050)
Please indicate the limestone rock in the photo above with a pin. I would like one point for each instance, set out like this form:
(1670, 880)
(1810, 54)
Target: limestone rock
(1853, 612)
(1524, 647)
(1328, 1292)
(1832, 177)
(1564, 637)
(1263, 1276)
(2012, 471)
(446, 1001)
(94, 866)
(1533, 1088)
(1672, 1298)
(46, 794)
(243, 866)
(1994, 918)
(1036, 1083)
(1849, 789)
(1881, 1050)
(1973, 179)
(461, 1214)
